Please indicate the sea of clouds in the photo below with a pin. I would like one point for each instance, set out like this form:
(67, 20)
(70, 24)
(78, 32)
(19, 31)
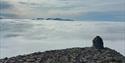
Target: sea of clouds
(23, 36)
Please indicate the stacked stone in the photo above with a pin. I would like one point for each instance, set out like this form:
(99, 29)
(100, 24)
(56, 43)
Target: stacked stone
(98, 42)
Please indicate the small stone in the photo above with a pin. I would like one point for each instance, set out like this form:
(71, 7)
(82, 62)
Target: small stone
(30, 60)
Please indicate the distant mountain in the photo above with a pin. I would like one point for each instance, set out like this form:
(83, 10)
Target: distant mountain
(1, 18)
(60, 19)
(71, 55)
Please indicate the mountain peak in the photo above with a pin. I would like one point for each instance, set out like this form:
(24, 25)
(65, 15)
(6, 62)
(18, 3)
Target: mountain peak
(71, 55)
(95, 54)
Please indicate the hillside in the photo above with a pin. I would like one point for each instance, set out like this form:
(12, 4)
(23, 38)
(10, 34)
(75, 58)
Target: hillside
(71, 55)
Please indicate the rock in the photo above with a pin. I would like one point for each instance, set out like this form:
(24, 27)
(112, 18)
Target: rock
(98, 42)
(71, 55)
(30, 60)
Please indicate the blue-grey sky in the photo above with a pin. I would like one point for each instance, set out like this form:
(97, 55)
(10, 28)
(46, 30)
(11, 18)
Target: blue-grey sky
(102, 10)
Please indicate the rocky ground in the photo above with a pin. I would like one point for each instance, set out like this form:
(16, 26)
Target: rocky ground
(71, 55)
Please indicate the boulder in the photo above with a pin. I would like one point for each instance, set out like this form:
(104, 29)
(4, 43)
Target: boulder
(98, 42)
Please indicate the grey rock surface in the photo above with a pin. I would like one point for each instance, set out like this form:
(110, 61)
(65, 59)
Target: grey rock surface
(71, 55)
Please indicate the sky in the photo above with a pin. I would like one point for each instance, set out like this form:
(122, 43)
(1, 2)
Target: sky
(97, 10)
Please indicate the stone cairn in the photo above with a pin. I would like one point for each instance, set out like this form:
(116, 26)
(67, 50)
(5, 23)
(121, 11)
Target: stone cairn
(98, 42)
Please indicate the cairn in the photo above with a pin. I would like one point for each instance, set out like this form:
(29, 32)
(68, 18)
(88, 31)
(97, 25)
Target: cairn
(98, 42)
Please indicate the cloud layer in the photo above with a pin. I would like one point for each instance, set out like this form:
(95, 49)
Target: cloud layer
(47, 35)
(65, 8)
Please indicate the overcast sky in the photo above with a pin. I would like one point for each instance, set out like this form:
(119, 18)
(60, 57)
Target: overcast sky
(102, 10)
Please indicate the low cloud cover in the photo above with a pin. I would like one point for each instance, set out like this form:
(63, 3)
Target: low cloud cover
(107, 10)
(23, 36)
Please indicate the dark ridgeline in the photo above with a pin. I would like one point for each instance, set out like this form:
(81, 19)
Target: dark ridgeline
(58, 19)
(95, 54)
(98, 42)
